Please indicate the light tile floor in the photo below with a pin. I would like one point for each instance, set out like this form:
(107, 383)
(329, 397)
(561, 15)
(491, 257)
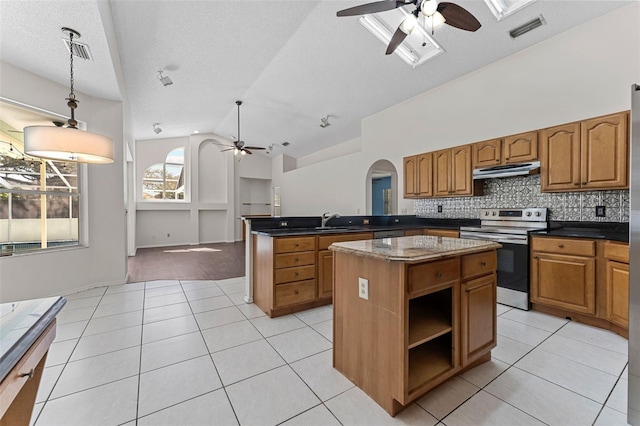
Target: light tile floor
(193, 353)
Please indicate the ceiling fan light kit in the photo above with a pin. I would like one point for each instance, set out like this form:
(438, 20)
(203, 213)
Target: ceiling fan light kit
(438, 13)
(415, 50)
(68, 143)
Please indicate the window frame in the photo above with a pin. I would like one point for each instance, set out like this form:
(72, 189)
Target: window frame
(164, 189)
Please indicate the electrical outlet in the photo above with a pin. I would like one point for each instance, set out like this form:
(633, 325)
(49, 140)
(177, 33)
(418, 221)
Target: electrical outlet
(357, 211)
(439, 209)
(601, 211)
(363, 288)
(168, 235)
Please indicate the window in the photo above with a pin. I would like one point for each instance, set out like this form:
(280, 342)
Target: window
(39, 199)
(39, 203)
(165, 181)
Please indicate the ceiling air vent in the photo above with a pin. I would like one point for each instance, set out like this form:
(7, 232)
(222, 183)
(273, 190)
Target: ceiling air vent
(80, 50)
(531, 25)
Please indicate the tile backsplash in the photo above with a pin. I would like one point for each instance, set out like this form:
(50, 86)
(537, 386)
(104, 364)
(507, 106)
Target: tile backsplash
(524, 191)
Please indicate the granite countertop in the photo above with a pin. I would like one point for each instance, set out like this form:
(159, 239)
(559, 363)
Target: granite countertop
(589, 230)
(413, 249)
(282, 232)
(21, 325)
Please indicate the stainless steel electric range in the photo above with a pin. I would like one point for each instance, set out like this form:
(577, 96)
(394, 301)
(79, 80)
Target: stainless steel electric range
(510, 227)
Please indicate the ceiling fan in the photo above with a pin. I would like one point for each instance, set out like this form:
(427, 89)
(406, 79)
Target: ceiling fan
(238, 146)
(437, 12)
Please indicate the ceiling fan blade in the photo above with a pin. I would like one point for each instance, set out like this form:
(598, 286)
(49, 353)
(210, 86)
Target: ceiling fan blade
(458, 17)
(254, 147)
(247, 151)
(228, 149)
(375, 7)
(222, 144)
(397, 38)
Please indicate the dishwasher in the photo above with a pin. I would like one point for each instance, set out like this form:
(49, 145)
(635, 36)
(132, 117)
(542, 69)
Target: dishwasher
(388, 234)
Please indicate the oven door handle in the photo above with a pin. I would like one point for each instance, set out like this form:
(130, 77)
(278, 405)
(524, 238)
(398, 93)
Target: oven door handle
(490, 237)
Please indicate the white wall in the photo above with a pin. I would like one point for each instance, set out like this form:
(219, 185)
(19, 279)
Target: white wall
(104, 261)
(584, 72)
(207, 215)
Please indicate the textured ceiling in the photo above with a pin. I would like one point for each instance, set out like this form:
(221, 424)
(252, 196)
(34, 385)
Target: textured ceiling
(291, 62)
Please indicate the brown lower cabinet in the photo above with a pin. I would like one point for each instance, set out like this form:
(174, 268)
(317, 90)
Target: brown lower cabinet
(583, 279)
(423, 322)
(616, 257)
(291, 274)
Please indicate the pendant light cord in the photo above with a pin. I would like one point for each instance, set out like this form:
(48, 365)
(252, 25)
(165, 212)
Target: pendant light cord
(71, 95)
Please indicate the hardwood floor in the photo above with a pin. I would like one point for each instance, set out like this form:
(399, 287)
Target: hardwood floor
(202, 262)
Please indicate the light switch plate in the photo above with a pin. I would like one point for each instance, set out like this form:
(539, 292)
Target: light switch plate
(363, 288)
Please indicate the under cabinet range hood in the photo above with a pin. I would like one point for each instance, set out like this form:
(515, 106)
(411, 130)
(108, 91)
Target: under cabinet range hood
(507, 170)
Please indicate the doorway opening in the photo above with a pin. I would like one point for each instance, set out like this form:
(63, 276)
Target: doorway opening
(382, 189)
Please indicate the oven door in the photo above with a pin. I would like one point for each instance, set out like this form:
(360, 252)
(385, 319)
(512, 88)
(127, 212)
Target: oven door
(513, 267)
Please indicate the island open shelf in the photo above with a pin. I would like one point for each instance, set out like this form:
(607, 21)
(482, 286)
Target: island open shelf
(412, 331)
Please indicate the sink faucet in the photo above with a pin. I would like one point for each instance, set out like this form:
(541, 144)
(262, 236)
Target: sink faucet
(326, 217)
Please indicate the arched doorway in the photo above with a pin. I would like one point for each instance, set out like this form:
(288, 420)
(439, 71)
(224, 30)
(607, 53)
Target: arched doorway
(382, 188)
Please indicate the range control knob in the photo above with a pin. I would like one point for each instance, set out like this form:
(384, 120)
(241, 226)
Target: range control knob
(528, 213)
(493, 213)
(486, 213)
(538, 214)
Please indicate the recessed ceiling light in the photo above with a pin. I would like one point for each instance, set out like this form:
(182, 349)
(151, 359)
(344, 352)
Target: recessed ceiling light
(196, 131)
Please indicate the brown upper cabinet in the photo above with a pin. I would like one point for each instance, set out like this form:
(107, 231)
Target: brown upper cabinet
(508, 150)
(487, 153)
(586, 155)
(520, 148)
(418, 176)
(452, 172)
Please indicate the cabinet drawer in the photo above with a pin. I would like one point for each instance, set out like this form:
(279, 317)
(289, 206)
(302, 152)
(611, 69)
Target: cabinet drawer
(289, 260)
(432, 275)
(619, 252)
(450, 233)
(297, 292)
(476, 265)
(564, 246)
(298, 273)
(324, 241)
(287, 245)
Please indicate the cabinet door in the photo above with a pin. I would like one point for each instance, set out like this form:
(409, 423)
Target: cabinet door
(605, 152)
(487, 153)
(441, 172)
(566, 282)
(521, 147)
(450, 233)
(325, 273)
(461, 177)
(617, 281)
(560, 159)
(424, 178)
(478, 317)
(410, 176)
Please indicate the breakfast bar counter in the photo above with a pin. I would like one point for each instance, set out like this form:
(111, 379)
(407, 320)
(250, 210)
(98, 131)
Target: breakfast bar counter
(412, 312)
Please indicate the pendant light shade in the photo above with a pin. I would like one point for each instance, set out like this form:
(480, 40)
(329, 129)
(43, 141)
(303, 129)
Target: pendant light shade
(67, 144)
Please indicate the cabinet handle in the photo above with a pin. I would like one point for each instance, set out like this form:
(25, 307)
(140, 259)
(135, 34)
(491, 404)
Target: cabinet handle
(296, 292)
(577, 183)
(468, 290)
(297, 260)
(297, 245)
(483, 263)
(560, 245)
(584, 183)
(438, 274)
(28, 375)
(297, 274)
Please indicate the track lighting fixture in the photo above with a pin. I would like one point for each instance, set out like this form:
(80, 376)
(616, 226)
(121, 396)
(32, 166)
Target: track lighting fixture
(68, 143)
(324, 122)
(156, 128)
(166, 81)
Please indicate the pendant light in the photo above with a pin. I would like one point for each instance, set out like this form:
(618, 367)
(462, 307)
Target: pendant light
(68, 143)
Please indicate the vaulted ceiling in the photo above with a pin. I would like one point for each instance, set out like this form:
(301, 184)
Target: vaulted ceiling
(290, 61)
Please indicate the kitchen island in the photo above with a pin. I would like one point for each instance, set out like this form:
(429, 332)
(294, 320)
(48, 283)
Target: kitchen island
(412, 312)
